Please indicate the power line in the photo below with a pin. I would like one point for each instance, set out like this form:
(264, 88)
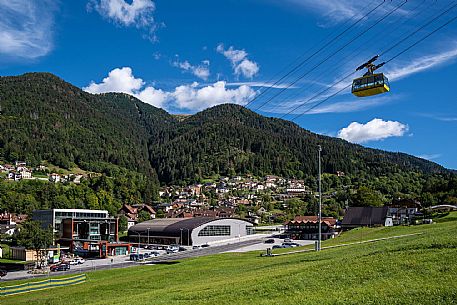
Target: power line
(316, 52)
(302, 56)
(354, 54)
(391, 59)
(350, 55)
(420, 28)
(334, 53)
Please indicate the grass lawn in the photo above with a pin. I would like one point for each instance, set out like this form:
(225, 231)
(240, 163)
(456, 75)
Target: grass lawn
(411, 270)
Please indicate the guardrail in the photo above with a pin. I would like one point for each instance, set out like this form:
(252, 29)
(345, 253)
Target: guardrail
(46, 284)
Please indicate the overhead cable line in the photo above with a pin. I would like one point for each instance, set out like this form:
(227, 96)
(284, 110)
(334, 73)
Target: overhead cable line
(420, 28)
(308, 101)
(295, 67)
(391, 59)
(315, 53)
(334, 53)
(353, 54)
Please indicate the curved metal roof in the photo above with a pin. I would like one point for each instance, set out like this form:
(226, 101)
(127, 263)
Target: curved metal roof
(172, 226)
(169, 226)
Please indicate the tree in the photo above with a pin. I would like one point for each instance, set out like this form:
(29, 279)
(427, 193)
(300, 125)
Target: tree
(143, 216)
(123, 223)
(160, 214)
(367, 197)
(33, 236)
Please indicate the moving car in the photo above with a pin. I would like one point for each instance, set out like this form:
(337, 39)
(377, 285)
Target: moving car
(290, 245)
(270, 241)
(60, 267)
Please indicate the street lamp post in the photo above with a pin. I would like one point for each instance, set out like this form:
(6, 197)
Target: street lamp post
(180, 238)
(188, 237)
(320, 203)
(139, 243)
(148, 235)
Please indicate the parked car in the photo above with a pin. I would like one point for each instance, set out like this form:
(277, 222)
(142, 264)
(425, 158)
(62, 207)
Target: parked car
(287, 240)
(172, 249)
(3, 273)
(73, 262)
(147, 255)
(60, 267)
(80, 260)
(155, 253)
(277, 247)
(136, 257)
(270, 241)
(205, 246)
(196, 247)
(182, 249)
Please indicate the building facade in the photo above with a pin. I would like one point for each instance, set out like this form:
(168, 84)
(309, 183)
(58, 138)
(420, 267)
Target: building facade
(190, 231)
(80, 229)
(307, 228)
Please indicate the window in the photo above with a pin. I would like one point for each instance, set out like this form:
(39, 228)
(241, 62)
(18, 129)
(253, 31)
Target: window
(215, 231)
(250, 230)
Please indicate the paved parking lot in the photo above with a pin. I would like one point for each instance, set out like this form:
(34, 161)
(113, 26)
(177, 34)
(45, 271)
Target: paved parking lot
(255, 243)
(263, 246)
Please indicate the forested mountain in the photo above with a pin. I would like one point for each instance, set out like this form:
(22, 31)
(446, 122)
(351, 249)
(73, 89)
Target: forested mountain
(44, 118)
(230, 139)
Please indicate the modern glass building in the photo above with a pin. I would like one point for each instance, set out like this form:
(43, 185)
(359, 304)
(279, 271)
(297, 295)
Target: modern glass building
(79, 225)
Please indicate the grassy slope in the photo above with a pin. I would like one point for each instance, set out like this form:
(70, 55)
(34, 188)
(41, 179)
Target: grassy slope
(419, 270)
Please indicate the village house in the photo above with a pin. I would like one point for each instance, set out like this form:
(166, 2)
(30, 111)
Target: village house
(404, 211)
(366, 217)
(54, 178)
(132, 211)
(307, 227)
(26, 174)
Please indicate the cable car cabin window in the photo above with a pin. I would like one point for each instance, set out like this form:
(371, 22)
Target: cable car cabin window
(357, 84)
(379, 80)
(386, 81)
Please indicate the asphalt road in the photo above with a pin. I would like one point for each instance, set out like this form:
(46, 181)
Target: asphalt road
(124, 262)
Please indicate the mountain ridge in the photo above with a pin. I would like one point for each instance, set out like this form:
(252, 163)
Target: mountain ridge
(46, 118)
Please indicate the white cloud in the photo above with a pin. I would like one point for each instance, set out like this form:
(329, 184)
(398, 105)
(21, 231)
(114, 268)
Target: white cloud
(430, 157)
(422, 63)
(193, 98)
(138, 13)
(200, 71)
(375, 130)
(262, 84)
(338, 11)
(26, 28)
(118, 80)
(190, 97)
(240, 63)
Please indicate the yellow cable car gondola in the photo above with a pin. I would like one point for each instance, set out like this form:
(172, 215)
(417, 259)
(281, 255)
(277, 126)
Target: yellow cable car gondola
(370, 83)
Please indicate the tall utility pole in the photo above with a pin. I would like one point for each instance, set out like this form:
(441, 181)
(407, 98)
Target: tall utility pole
(320, 203)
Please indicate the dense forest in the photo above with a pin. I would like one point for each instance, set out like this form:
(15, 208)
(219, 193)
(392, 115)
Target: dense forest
(136, 147)
(230, 139)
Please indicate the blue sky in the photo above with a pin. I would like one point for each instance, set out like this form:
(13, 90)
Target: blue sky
(185, 56)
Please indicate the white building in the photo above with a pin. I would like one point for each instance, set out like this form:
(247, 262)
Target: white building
(191, 231)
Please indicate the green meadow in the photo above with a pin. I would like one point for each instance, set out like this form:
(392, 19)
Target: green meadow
(420, 269)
